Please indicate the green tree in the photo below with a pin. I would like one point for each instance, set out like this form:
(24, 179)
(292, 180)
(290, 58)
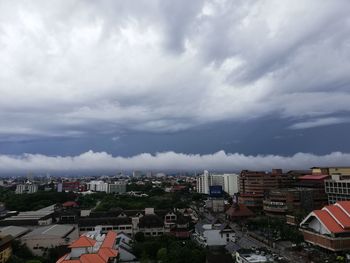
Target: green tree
(162, 255)
(139, 237)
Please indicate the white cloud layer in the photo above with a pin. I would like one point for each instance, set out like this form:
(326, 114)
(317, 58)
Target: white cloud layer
(220, 161)
(74, 67)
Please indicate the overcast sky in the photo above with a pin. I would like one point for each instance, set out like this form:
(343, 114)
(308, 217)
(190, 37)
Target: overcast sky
(121, 78)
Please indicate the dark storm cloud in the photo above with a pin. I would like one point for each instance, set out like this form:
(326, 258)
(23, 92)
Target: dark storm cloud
(86, 67)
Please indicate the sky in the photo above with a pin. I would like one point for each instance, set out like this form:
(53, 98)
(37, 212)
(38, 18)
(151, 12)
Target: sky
(165, 84)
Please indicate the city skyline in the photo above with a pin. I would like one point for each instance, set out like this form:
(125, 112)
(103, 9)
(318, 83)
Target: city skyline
(173, 85)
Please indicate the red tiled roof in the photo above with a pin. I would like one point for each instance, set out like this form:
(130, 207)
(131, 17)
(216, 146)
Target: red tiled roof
(69, 203)
(345, 205)
(328, 221)
(239, 211)
(83, 241)
(338, 215)
(314, 177)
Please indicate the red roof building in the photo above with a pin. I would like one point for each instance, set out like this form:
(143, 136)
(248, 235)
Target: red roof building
(70, 204)
(93, 247)
(329, 227)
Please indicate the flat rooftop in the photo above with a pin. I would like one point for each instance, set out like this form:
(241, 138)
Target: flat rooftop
(52, 230)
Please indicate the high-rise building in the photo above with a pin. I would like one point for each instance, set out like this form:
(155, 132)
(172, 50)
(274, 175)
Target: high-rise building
(254, 186)
(229, 182)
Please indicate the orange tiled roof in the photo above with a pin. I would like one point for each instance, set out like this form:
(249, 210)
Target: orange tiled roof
(339, 215)
(109, 240)
(328, 221)
(103, 255)
(106, 253)
(83, 241)
(91, 258)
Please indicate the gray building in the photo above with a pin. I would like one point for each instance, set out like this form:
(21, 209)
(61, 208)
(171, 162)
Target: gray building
(117, 187)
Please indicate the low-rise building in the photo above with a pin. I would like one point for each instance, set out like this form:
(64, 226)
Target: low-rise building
(14, 231)
(213, 234)
(124, 246)
(250, 256)
(93, 246)
(42, 238)
(29, 218)
(329, 227)
(5, 248)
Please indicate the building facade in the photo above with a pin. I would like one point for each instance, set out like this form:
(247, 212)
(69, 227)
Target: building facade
(255, 185)
(338, 188)
(101, 186)
(229, 182)
(26, 188)
(280, 202)
(329, 227)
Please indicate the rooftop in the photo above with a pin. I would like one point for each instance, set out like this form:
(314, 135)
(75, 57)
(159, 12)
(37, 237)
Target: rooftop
(101, 248)
(15, 231)
(52, 230)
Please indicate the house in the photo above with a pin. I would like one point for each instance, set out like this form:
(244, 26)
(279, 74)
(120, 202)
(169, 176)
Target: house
(329, 227)
(124, 245)
(213, 234)
(93, 247)
(238, 212)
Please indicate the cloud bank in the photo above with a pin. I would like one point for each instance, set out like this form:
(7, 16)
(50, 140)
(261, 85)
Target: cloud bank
(166, 161)
(70, 68)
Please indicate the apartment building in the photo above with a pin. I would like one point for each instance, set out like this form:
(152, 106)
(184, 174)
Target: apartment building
(26, 188)
(101, 186)
(228, 182)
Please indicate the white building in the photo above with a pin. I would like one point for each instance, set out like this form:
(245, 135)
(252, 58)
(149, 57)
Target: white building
(203, 183)
(229, 182)
(124, 245)
(249, 256)
(101, 186)
(97, 186)
(26, 188)
(213, 234)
